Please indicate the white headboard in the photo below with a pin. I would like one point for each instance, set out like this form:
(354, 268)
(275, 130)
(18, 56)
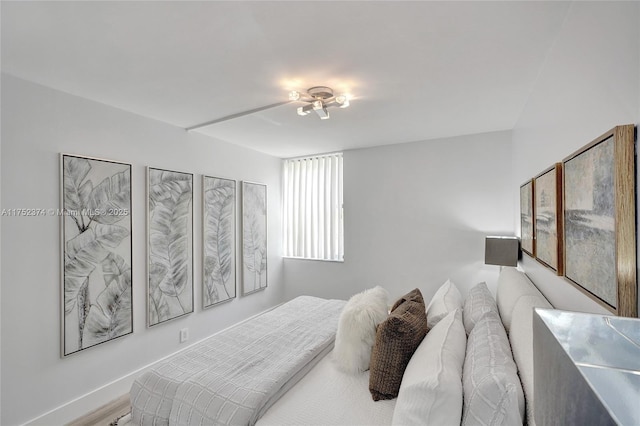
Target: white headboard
(516, 297)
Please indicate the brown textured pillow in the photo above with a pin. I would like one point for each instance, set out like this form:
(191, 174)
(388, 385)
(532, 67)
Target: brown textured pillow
(396, 340)
(413, 295)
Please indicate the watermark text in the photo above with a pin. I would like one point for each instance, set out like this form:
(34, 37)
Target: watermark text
(32, 212)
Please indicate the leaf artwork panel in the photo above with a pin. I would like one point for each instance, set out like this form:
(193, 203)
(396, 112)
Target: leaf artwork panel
(170, 245)
(97, 254)
(254, 237)
(219, 266)
(589, 215)
(526, 218)
(548, 223)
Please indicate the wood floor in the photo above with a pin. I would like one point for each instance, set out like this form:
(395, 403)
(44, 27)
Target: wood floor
(106, 414)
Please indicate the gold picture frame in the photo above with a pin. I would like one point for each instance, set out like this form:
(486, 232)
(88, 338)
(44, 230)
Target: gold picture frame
(599, 220)
(548, 226)
(527, 223)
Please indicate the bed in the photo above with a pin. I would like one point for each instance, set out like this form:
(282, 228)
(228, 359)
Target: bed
(312, 387)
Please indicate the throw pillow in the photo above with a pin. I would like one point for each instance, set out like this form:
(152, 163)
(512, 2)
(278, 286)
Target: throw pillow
(414, 295)
(478, 302)
(431, 390)
(357, 329)
(447, 299)
(492, 390)
(396, 340)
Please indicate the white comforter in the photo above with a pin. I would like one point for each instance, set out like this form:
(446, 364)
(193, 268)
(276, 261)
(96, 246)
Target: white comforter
(234, 376)
(329, 397)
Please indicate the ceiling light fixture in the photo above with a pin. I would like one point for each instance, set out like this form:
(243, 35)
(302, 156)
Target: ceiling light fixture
(318, 99)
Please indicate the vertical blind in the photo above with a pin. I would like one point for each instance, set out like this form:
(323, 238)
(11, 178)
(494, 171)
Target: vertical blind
(313, 224)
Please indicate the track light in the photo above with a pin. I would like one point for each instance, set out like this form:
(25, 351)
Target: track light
(318, 99)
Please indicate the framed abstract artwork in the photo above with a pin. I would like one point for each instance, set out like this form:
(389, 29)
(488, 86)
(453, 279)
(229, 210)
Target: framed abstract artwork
(548, 218)
(218, 240)
(96, 252)
(254, 237)
(599, 220)
(170, 245)
(527, 225)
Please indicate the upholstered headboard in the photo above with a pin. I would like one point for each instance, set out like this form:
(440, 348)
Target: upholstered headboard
(516, 297)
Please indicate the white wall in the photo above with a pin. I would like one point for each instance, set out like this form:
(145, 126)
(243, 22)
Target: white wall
(416, 214)
(39, 123)
(588, 85)
(0, 265)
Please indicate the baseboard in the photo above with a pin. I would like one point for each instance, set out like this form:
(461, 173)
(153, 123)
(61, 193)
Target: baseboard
(86, 403)
(80, 406)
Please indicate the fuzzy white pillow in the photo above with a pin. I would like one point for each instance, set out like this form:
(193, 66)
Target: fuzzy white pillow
(357, 329)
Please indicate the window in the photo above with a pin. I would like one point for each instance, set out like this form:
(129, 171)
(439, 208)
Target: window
(313, 225)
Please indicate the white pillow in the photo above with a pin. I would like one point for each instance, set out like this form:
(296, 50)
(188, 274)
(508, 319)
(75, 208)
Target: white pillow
(447, 299)
(492, 390)
(431, 389)
(357, 329)
(478, 302)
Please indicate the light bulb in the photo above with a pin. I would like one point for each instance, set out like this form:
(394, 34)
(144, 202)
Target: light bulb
(294, 95)
(342, 100)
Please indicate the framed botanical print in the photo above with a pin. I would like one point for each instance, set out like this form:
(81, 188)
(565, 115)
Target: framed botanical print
(218, 240)
(548, 218)
(254, 237)
(170, 245)
(96, 252)
(599, 220)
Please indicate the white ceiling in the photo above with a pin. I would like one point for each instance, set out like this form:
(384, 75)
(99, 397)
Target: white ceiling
(416, 70)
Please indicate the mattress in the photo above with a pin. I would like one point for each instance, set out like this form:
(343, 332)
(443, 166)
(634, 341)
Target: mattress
(327, 396)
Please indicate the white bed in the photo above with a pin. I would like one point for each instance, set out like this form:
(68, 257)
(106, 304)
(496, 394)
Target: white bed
(234, 376)
(327, 396)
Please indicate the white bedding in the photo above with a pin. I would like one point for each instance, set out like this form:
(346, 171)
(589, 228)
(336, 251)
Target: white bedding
(232, 377)
(326, 396)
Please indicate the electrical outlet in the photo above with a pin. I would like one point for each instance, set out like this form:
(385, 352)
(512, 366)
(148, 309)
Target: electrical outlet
(184, 335)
